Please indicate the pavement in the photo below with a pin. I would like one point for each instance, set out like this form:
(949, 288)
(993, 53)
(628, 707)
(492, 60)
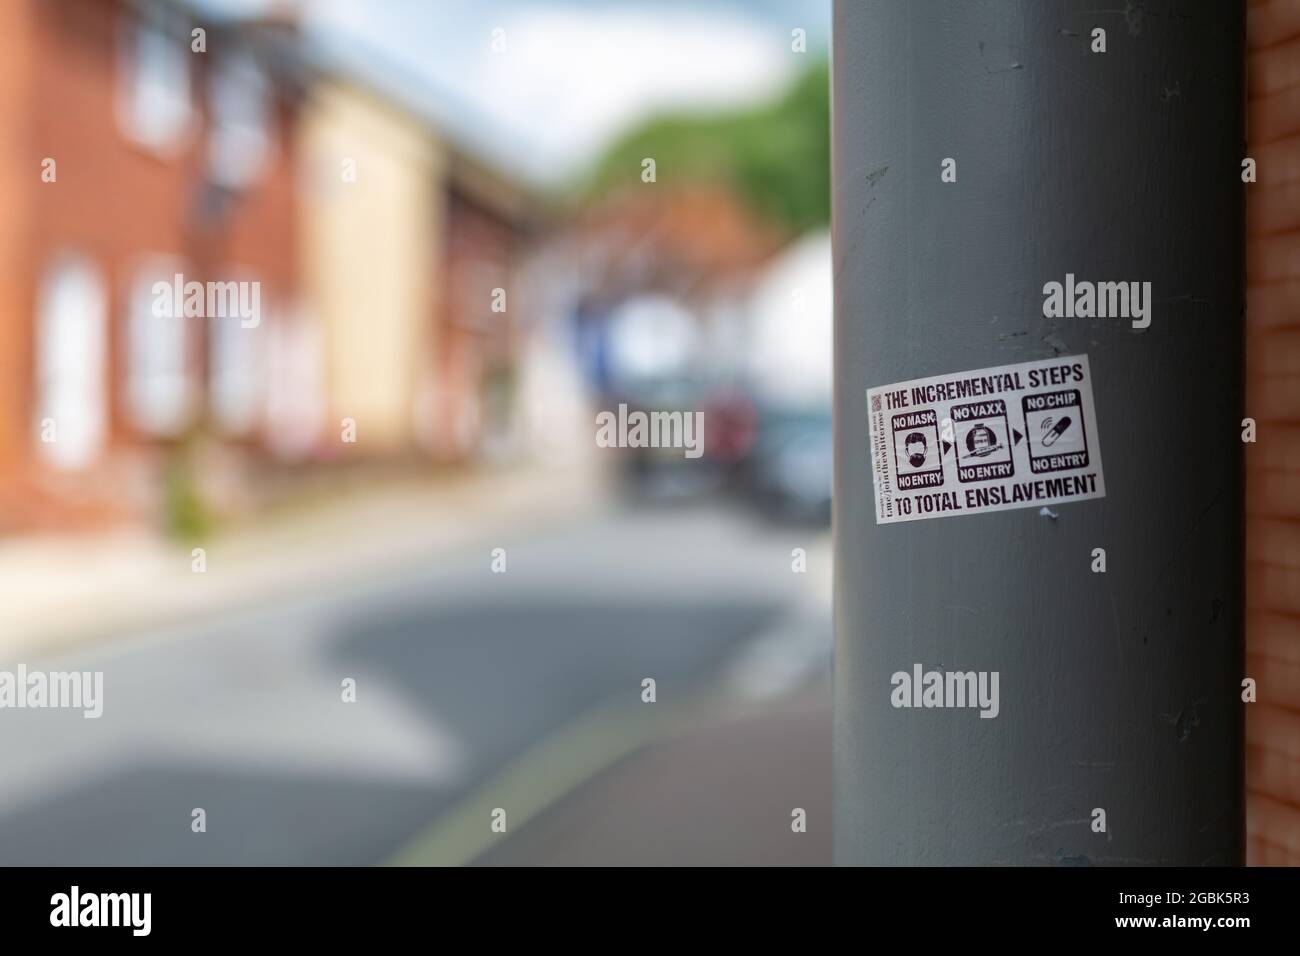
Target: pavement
(722, 792)
(475, 691)
(59, 589)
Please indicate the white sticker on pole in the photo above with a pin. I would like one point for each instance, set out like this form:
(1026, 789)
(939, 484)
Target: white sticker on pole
(1014, 436)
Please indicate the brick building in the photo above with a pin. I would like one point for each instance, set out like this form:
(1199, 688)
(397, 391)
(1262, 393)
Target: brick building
(406, 235)
(133, 149)
(1273, 462)
(488, 228)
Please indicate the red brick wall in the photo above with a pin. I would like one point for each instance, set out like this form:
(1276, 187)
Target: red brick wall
(114, 201)
(17, 60)
(1273, 463)
(482, 250)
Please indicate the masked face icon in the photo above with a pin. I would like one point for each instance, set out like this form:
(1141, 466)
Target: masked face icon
(916, 446)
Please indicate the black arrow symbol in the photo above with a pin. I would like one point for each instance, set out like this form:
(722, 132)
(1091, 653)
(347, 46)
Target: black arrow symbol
(947, 446)
(1018, 436)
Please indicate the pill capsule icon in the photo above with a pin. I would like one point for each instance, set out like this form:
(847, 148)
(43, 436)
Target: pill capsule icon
(1050, 438)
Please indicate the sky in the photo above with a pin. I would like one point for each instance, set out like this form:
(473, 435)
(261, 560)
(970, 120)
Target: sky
(566, 75)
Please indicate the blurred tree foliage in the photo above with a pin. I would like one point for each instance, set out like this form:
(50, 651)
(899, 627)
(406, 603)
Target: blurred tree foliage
(775, 158)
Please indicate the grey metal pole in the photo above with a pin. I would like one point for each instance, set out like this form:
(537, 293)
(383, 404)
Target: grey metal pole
(1118, 690)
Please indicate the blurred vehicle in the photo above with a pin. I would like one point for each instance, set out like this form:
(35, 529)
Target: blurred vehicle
(788, 472)
(667, 472)
(732, 428)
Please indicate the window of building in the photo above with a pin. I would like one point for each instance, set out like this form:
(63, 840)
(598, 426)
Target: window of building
(155, 82)
(295, 393)
(239, 142)
(235, 370)
(71, 399)
(159, 389)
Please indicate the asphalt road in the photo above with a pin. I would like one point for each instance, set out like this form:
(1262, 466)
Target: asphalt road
(461, 674)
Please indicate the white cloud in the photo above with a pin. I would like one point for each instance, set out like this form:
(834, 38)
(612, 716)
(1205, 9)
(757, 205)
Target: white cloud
(577, 77)
(571, 76)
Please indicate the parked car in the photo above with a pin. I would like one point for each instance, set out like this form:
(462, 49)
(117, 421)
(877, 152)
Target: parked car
(788, 473)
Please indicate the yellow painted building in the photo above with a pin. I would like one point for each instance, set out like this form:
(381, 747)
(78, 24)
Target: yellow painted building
(372, 241)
